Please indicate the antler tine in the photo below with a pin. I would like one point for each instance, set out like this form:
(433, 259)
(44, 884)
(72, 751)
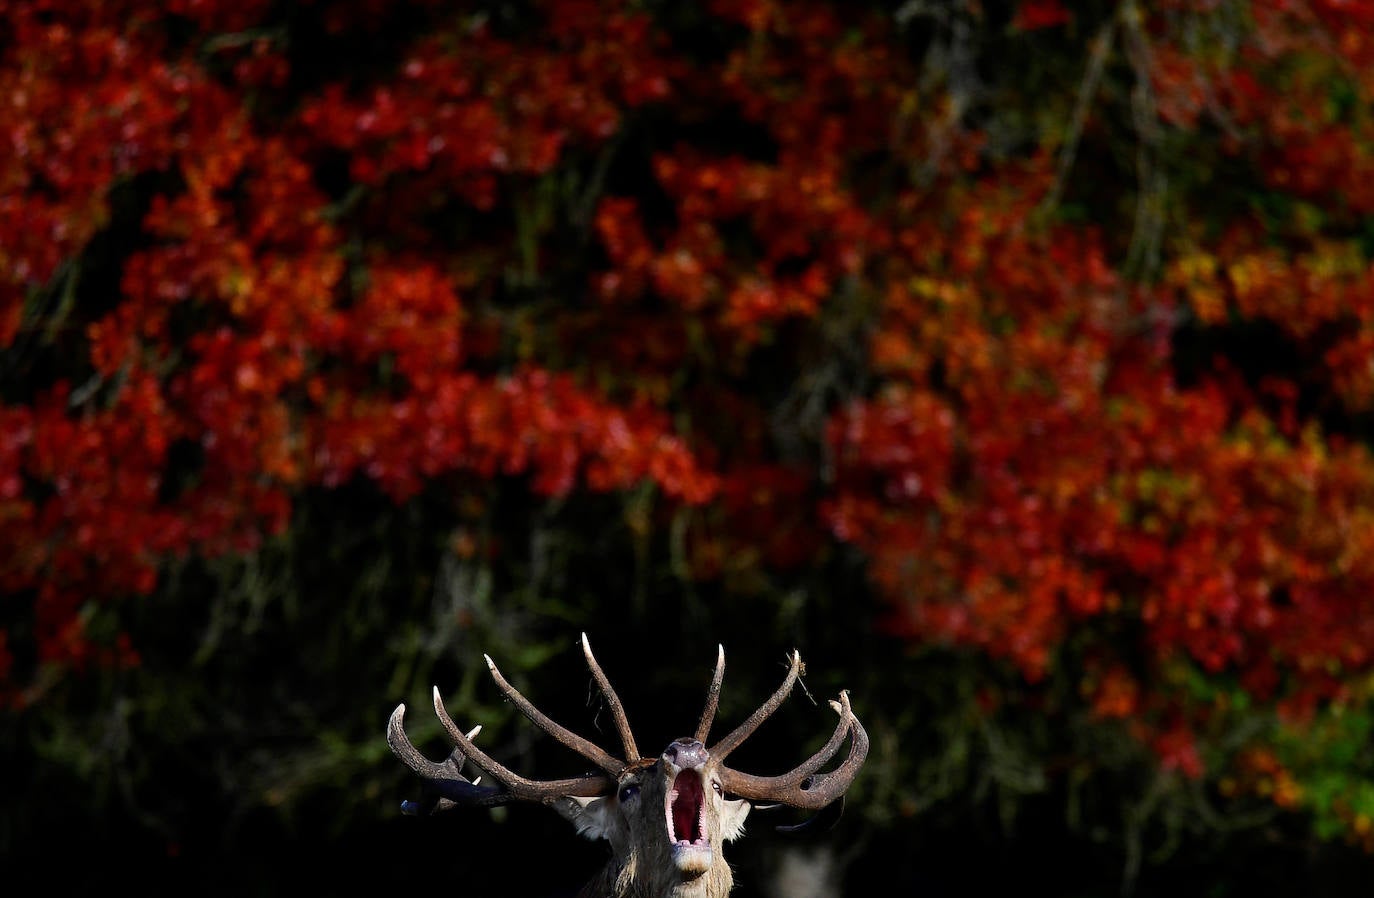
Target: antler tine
(622, 724)
(566, 737)
(514, 786)
(708, 714)
(799, 788)
(746, 729)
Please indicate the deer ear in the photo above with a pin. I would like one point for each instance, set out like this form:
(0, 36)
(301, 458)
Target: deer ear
(732, 814)
(593, 817)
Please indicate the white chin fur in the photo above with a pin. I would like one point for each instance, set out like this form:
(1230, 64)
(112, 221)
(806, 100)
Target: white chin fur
(692, 858)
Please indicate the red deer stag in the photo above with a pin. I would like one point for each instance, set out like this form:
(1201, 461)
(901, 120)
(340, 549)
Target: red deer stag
(665, 818)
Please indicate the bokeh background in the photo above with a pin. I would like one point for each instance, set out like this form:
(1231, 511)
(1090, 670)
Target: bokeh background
(1012, 360)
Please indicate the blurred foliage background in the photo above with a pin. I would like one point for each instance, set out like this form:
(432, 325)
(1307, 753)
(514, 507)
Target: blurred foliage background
(1012, 360)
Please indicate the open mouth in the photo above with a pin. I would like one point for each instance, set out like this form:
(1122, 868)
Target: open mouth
(686, 811)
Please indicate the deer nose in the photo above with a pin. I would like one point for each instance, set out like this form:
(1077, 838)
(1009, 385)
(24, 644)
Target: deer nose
(686, 753)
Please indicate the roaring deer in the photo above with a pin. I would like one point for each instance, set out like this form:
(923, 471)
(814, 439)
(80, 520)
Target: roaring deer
(666, 818)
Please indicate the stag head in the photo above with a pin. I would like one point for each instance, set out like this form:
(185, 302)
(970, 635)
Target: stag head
(665, 818)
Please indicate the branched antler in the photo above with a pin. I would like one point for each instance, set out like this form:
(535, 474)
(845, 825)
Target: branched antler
(801, 787)
(447, 782)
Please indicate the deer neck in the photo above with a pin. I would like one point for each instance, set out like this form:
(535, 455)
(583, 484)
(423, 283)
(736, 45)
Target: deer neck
(631, 879)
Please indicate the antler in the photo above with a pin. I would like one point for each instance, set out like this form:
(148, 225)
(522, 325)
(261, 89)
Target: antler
(447, 782)
(447, 785)
(622, 724)
(589, 750)
(708, 714)
(746, 729)
(801, 787)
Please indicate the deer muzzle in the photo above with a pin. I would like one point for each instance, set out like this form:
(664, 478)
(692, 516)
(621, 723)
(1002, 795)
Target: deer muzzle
(685, 814)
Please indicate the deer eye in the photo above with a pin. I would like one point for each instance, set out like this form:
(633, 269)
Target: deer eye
(628, 791)
(715, 785)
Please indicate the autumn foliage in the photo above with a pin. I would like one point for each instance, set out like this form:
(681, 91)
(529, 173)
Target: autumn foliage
(1060, 316)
